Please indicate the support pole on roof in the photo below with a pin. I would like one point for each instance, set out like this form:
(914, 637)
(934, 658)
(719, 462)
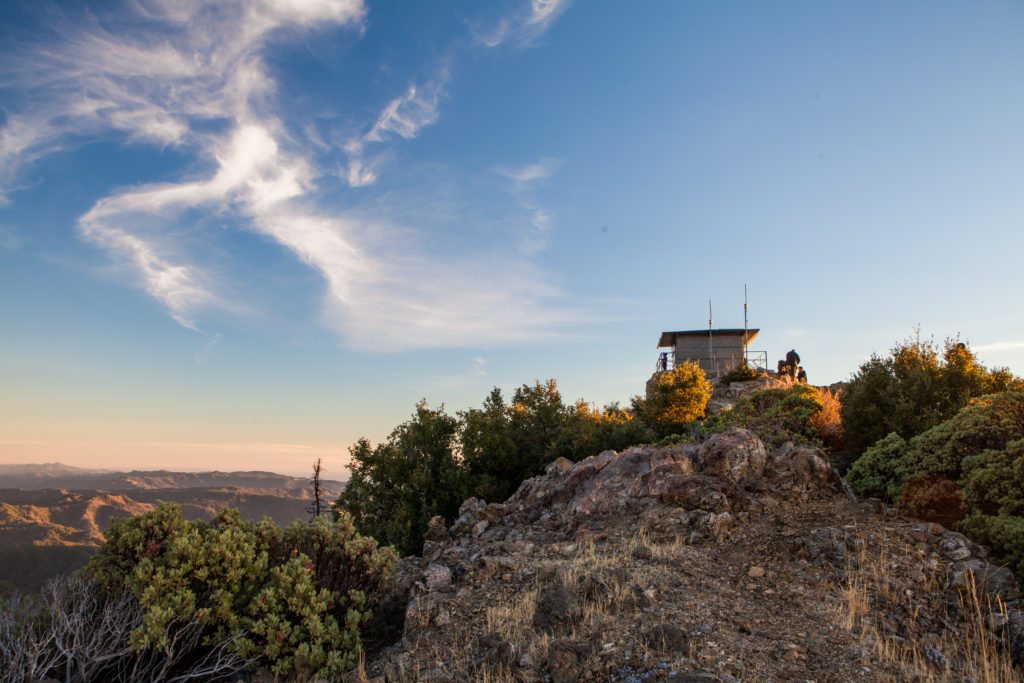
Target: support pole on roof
(711, 348)
(744, 323)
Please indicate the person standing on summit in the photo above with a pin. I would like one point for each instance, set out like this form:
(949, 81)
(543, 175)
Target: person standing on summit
(792, 362)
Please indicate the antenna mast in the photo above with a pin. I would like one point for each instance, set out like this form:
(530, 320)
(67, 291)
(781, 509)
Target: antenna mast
(744, 323)
(711, 351)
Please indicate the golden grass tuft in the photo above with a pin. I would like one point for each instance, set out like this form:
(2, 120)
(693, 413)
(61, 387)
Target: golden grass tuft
(969, 649)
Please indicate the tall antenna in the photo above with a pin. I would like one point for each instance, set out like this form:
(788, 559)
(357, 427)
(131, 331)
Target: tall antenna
(744, 323)
(711, 351)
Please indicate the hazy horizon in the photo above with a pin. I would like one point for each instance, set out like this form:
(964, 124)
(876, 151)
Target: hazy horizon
(243, 235)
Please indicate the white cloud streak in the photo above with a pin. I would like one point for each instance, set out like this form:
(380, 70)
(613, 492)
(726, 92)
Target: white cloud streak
(1000, 346)
(526, 176)
(524, 179)
(189, 63)
(403, 117)
(526, 26)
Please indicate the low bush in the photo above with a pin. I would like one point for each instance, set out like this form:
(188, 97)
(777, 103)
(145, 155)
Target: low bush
(873, 474)
(776, 415)
(1004, 534)
(292, 601)
(741, 373)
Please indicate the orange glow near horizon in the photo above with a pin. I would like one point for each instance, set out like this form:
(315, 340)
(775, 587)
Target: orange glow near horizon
(283, 458)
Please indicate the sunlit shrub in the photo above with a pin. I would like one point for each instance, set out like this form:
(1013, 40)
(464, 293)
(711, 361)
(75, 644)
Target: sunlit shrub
(827, 422)
(776, 415)
(675, 397)
(914, 388)
(590, 430)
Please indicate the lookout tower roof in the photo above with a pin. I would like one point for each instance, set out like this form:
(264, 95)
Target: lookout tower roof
(669, 338)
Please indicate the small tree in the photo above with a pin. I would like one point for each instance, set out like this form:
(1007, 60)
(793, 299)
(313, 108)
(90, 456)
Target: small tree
(398, 485)
(317, 506)
(489, 453)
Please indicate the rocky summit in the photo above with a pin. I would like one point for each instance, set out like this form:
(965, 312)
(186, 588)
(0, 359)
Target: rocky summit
(722, 561)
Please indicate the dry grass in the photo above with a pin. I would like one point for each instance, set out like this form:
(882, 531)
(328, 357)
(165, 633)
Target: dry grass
(967, 650)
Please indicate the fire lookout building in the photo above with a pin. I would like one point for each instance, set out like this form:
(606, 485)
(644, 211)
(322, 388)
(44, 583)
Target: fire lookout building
(715, 351)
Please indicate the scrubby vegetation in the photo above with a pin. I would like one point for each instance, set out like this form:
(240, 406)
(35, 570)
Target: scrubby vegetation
(434, 461)
(971, 464)
(798, 413)
(741, 373)
(290, 600)
(915, 387)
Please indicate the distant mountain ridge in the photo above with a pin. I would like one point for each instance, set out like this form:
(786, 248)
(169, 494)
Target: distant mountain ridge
(53, 516)
(60, 476)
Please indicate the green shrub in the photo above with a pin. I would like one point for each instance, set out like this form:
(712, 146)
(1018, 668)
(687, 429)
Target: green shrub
(676, 397)
(292, 599)
(674, 440)
(914, 388)
(1004, 534)
(994, 479)
(741, 373)
(979, 451)
(874, 475)
(776, 415)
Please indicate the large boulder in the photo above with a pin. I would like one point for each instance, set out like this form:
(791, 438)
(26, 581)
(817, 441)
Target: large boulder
(800, 470)
(737, 456)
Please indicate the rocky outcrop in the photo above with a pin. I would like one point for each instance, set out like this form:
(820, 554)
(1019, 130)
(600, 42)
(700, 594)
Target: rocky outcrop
(666, 559)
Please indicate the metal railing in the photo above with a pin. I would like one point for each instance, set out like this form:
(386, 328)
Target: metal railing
(758, 360)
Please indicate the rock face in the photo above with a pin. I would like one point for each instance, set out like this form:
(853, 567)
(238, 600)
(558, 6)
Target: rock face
(719, 561)
(726, 473)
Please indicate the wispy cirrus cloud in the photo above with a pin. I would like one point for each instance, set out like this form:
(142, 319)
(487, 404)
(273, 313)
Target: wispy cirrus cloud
(539, 221)
(525, 26)
(526, 176)
(184, 65)
(402, 117)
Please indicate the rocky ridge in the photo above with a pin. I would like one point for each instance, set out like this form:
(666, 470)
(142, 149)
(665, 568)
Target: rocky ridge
(721, 561)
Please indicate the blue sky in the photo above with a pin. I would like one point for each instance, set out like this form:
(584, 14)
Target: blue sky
(243, 234)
